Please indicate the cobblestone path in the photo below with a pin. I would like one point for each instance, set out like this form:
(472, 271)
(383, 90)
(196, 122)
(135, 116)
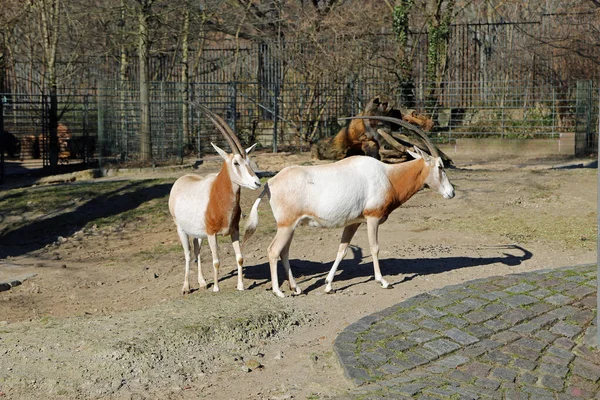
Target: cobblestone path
(522, 336)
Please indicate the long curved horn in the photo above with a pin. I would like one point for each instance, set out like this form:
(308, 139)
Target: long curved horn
(225, 129)
(432, 149)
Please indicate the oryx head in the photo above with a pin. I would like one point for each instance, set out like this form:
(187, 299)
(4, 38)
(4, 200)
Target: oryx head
(239, 167)
(436, 178)
(238, 163)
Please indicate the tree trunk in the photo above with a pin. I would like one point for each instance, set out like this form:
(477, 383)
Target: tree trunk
(143, 54)
(185, 73)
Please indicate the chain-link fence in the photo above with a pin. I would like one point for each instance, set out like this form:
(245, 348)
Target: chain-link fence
(103, 124)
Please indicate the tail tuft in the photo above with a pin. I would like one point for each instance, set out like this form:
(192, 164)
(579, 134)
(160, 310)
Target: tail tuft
(252, 221)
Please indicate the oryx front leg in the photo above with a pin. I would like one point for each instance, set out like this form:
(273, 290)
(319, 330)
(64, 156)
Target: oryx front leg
(185, 242)
(197, 247)
(285, 260)
(235, 242)
(372, 229)
(347, 236)
(212, 242)
(282, 238)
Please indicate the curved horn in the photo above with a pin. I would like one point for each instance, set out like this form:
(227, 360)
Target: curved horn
(432, 149)
(225, 129)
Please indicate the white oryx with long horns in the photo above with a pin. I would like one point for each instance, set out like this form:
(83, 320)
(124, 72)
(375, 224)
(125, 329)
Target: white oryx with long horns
(204, 207)
(345, 194)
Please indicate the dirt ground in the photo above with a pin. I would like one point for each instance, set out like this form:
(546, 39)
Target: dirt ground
(102, 315)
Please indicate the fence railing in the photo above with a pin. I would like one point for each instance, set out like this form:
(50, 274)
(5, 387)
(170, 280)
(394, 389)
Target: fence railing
(104, 123)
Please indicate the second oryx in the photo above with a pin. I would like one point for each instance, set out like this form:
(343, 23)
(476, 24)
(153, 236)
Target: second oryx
(344, 194)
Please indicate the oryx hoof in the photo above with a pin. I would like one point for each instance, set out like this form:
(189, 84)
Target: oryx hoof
(329, 289)
(215, 289)
(240, 287)
(279, 293)
(297, 290)
(202, 283)
(385, 284)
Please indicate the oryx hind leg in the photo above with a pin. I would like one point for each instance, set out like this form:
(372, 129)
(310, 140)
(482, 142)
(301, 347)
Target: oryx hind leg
(347, 236)
(197, 247)
(185, 242)
(285, 260)
(282, 238)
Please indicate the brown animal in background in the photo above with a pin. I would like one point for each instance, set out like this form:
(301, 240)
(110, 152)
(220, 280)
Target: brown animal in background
(359, 137)
(356, 138)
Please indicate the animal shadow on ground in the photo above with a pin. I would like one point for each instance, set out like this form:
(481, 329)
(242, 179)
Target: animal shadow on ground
(39, 233)
(352, 268)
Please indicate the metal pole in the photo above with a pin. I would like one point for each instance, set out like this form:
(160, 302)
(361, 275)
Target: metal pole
(598, 225)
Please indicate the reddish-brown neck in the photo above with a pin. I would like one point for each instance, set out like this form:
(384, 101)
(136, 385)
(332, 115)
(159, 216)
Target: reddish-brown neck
(408, 178)
(223, 203)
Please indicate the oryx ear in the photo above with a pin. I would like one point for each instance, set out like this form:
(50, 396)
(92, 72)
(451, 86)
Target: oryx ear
(221, 152)
(249, 149)
(415, 154)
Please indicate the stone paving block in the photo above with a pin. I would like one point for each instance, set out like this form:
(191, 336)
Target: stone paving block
(545, 336)
(522, 352)
(536, 393)
(532, 344)
(564, 343)
(566, 355)
(540, 307)
(399, 345)
(480, 347)
(540, 293)
(550, 382)
(442, 346)
(558, 300)
(494, 295)
(505, 337)
(359, 375)
(527, 378)
(564, 311)
(496, 325)
(477, 317)
(487, 383)
(410, 389)
(461, 376)
(517, 315)
(554, 369)
(430, 312)
(453, 361)
(478, 331)
(550, 359)
(392, 369)
(521, 288)
(514, 394)
(503, 374)
(518, 300)
(564, 329)
(401, 326)
(524, 364)
(455, 321)
(497, 357)
(478, 369)
(586, 369)
(587, 386)
(581, 317)
(431, 324)
(422, 336)
(460, 336)
(587, 353)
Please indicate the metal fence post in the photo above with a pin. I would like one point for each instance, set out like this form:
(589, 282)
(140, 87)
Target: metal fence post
(232, 87)
(598, 226)
(275, 115)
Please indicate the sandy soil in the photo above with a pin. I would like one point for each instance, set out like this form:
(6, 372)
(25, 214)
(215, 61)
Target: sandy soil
(103, 315)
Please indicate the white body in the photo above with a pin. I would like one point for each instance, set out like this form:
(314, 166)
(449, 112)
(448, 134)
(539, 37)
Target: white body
(343, 194)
